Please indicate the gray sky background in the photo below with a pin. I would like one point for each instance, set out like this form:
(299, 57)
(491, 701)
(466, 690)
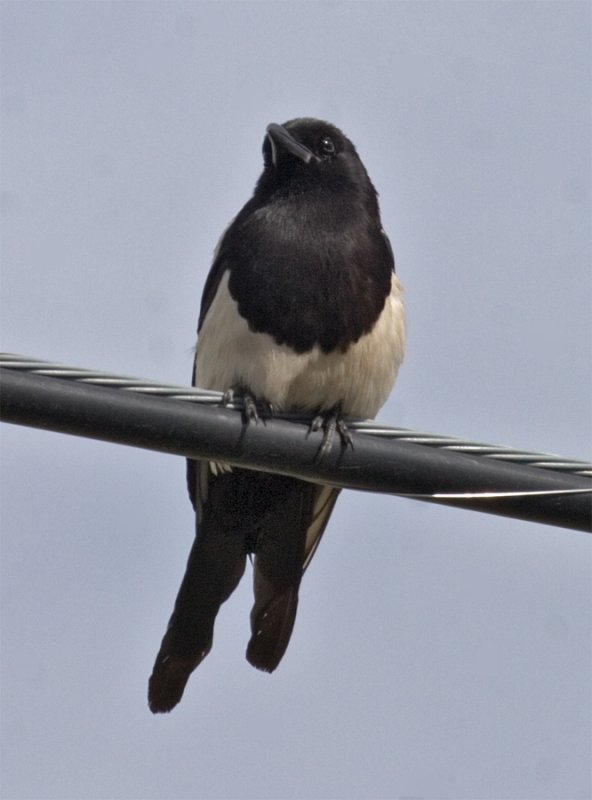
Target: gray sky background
(437, 653)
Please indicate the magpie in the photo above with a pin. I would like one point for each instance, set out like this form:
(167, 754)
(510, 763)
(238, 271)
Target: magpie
(302, 311)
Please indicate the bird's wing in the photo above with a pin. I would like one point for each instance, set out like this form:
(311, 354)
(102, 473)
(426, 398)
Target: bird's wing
(325, 498)
(217, 269)
(389, 246)
(211, 285)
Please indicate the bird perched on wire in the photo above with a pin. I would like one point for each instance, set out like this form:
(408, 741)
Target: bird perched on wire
(301, 310)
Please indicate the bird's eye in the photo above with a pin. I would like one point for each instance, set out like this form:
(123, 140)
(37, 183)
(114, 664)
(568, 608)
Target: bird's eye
(327, 146)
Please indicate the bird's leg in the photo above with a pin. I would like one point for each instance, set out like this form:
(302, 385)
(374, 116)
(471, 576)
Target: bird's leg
(250, 412)
(330, 422)
(249, 401)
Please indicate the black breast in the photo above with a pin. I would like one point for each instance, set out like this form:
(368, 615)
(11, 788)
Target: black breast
(305, 276)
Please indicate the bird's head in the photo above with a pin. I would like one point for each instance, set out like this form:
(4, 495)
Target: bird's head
(308, 152)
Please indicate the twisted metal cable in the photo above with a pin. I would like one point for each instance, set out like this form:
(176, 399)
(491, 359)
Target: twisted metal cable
(207, 397)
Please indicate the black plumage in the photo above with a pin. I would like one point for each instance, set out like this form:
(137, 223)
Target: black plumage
(300, 310)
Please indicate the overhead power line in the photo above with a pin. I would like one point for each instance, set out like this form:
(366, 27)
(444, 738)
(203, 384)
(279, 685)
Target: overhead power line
(193, 423)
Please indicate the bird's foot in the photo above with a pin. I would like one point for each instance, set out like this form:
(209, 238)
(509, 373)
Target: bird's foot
(330, 422)
(251, 406)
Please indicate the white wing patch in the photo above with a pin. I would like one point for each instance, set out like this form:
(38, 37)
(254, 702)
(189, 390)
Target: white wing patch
(321, 512)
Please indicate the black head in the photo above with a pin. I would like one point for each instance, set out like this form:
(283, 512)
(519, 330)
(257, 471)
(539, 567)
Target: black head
(310, 153)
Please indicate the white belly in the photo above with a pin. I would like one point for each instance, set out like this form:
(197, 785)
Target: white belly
(229, 354)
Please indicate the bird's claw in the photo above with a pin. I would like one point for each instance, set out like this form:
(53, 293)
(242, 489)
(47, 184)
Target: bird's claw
(330, 422)
(250, 410)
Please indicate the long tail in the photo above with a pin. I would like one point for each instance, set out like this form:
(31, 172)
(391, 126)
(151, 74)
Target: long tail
(281, 519)
(216, 564)
(283, 553)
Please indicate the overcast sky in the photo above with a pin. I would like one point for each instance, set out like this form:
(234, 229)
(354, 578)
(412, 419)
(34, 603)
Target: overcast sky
(437, 653)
